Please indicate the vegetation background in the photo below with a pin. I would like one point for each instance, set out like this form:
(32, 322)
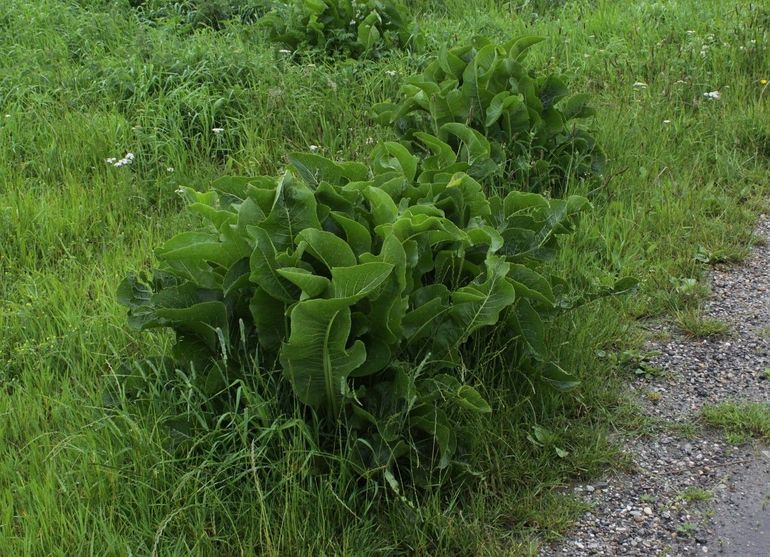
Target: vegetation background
(83, 81)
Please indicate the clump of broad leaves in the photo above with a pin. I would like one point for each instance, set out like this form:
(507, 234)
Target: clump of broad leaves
(530, 121)
(352, 296)
(347, 28)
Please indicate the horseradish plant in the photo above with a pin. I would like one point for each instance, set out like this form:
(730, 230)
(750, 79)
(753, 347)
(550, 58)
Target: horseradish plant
(530, 121)
(348, 28)
(353, 295)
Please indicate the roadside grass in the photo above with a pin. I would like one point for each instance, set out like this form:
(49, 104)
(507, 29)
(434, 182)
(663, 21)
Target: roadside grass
(740, 420)
(693, 323)
(82, 82)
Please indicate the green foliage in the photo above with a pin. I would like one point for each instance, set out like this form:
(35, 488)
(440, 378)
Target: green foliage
(739, 420)
(365, 292)
(347, 28)
(529, 121)
(195, 14)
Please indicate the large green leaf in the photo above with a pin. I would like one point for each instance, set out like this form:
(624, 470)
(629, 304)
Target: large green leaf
(327, 248)
(315, 169)
(527, 323)
(207, 320)
(531, 284)
(293, 210)
(356, 282)
(264, 269)
(392, 156)
(443, 154)
(359, 238)
(384, 209)
(558, 378)
(202, 246)
(477, 305)
(269, 320)
(311, 285)
(316, 359)
(386, 311)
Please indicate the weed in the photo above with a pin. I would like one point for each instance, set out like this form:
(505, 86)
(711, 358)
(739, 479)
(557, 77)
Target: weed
(739, 420)
(695, 494)
(694, 324)
(687, 529)
(88, 80)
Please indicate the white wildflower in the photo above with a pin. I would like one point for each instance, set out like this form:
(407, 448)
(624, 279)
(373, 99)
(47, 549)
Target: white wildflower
(391, 73)
(370, 141)
(169, 169)
(313, 148)
(713, 95)
(125, 161)
(217, 130)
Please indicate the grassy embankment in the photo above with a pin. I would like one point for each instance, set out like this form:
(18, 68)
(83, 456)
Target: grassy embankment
(83, 82)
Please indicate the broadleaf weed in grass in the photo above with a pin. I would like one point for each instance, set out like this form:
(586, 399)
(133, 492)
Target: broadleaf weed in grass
(68, 75)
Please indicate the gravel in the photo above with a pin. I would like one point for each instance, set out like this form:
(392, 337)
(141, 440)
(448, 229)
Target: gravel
(694, 495)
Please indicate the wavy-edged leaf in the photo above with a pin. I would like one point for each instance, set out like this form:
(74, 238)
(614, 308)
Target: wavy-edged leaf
(384, 209)
(526, 322)
(316, 359)
(269, 319)
(558, 378)
(531, 284)
(264, 269)
(328, 248)
(358, 236)
(470, 399)
(202, 246)
(311, 285)
(294, 209)
(478, 304)
(208, 321)
(518, 46)
(358, 281)
(391, 156)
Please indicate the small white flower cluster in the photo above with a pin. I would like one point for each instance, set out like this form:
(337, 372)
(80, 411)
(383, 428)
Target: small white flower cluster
(313, 148)
(713, 95)
(125, 161)
(391, 73)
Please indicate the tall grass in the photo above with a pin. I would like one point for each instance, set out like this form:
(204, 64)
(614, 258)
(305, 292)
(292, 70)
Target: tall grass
(82, 82)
